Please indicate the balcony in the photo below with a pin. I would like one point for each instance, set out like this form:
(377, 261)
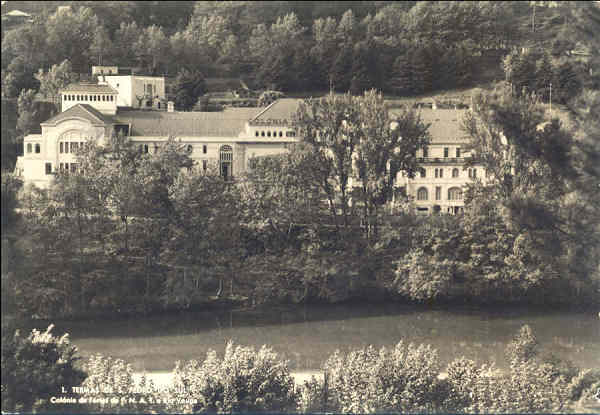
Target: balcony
(441, 159)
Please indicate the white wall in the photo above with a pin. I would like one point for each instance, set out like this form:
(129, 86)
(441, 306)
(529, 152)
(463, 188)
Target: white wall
(131, 86)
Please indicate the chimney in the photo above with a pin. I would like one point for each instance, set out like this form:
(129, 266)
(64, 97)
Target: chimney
(170, 106)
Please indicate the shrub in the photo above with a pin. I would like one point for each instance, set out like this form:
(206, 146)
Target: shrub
(35, 367)
(401, 379)
(111, 387)
(244, 380)
(523, 347)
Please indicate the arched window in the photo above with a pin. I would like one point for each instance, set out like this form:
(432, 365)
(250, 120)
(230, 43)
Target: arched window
(268, 133)
(280, 133)
(257, 133)
(422, 193)
(61, 147)
(455, 193)
(29, 148)
(455, 172)
(38, 148)
(262, 133)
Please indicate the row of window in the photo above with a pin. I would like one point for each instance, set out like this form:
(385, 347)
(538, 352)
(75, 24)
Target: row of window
(77, 97)
(38, 148)
(454, 193)
(439, 173)
(274, 134)
(69, 147)
(446, 152)
(190, 148)
(63, 167)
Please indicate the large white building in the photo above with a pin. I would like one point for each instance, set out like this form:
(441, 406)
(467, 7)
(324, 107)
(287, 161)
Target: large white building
(227, 139)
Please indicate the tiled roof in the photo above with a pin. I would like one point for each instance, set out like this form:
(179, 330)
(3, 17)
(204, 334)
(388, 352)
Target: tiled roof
(85, 111)
(282, 109)
(445, 125)
(227, 123)
(90, 88)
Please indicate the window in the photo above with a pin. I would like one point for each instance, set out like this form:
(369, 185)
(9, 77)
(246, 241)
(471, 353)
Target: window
(204, 149)
(441, 173)
(268, 133)
(73, 167)
(257, 133)
(262, 133)
(145, 148)
(455, 193)
(74, 147)
(423, 173)
(474, 173)
(112, 96)
(438, 193)
(455, 172)
(67, 167)
(190, 148)
(29, 148)
(66, 147)
(149, 103)
(62, 166)
(60, 150)
(457, 152)
(425, 152)
(436, 173)
(204, 165)
(446, 151)
(38, 148)
(290, 134)
(422, 194)
(280, 133)
(48, 168)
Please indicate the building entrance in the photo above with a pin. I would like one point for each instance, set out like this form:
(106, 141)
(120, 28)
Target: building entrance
(226, 161)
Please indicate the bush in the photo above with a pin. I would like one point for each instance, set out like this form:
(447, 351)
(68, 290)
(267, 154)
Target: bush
(244, 380)
(111, 387)
(402, 379)
(523, 347)
(35, 367)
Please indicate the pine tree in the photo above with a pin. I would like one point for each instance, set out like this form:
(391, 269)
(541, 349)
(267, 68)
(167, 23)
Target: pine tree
(402, 77)
(421, 71)
(543, 77)
(341, 72)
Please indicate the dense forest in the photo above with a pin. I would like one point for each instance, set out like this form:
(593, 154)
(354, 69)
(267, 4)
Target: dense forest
(402, 48)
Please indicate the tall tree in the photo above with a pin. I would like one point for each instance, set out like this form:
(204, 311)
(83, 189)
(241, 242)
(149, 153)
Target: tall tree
(188, 88)
(387, 146)
(51, 82)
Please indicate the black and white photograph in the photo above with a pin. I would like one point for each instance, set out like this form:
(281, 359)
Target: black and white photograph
(300, 207)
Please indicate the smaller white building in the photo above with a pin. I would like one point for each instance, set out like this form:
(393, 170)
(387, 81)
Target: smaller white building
(102, 97)
(137, 91)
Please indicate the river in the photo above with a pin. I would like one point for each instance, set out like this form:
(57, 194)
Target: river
(306, 336)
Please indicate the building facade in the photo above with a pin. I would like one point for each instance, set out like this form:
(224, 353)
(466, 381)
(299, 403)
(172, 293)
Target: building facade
(227, 139)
